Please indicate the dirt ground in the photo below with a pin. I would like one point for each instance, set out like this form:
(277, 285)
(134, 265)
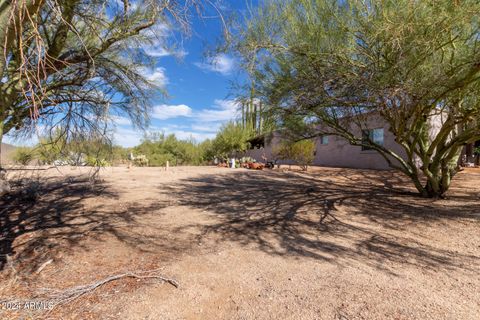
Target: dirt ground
(328, 244)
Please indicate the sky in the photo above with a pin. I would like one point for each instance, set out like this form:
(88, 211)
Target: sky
(198, 86)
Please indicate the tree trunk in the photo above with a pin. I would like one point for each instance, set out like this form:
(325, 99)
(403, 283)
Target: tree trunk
(1, 140)
(4, 185)
(437, 185)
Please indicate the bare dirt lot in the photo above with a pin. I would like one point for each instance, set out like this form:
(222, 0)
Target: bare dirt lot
(328, 244)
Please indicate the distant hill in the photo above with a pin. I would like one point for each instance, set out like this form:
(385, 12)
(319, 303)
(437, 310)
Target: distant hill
(7, 152)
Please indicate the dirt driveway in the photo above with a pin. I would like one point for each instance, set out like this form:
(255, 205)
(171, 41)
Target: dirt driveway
(328, 244)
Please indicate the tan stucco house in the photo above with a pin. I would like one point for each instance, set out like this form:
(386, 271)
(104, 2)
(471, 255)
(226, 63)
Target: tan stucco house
(334, 151)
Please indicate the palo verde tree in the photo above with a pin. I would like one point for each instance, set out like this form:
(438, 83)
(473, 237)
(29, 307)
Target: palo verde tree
(328, 66)
(231, 138)
(74, 64)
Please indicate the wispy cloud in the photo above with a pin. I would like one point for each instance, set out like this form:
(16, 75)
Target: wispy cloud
(200, 124)
(156, 75)
(222, 110)
(165, 111)
(156, 51)
(127, 137)
(220, 63)
(159, 50)
(211, 128)
(187, 134)
(157, 45)
(124, 121)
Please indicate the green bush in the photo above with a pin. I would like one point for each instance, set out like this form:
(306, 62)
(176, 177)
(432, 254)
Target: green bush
(160, 148)
(231, 138)
(96, 162)
(23, 155)
(301, 152)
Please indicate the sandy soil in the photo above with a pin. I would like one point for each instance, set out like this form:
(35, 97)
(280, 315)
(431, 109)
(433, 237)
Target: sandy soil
(328, 244)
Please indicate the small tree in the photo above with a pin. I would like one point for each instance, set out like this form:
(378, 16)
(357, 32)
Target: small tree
(231, 138)
(23, 155)
(301, 152)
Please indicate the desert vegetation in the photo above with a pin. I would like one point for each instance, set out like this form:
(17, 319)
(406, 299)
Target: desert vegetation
(93, 229)
(322, 67)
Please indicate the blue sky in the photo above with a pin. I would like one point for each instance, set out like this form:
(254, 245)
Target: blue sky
(199, 98)
(199, 91)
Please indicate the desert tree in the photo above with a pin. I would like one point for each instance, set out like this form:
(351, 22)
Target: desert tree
(231, 138)
(325, 67)
(76, 64)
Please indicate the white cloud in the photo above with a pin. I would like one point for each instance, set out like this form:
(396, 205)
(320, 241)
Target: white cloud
(165, 111)
(222, 110)
(157, 75)
(121, 120)
(221, 63)
(202, 124)
(158, 45)
(156, 51)
(127, 137)
(186, 134)
(157, 31)
(212, 127)
(159, 50)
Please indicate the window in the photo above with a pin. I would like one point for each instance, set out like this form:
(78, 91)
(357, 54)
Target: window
(324, 140)
(373, 135)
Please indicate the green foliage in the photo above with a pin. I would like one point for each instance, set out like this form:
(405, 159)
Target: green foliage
(476, 151)
(324, 67)
(50, 148)
(231, 138)
(91, 151)
(301, 152)
(160, 148)
(23, 155)
(96, 162)
(155, 150)
(79, 64)
(141, 161)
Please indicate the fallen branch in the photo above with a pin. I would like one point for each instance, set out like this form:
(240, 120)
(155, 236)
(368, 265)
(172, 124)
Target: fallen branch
(46, 263)
(68, 295)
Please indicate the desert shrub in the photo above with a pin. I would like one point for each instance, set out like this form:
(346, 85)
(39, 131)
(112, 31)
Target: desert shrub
(96, 162)
(231, 138)
(23, 155)
(301, 152)
(141, 161)
(160, 148)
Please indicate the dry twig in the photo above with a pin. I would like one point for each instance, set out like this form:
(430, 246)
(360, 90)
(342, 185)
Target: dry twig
(68, 295)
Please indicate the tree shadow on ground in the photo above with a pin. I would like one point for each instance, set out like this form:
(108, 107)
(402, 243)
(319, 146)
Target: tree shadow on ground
(52, 219)
(335, 217)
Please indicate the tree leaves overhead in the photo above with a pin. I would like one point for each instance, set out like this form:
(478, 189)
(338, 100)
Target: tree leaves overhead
(76, 62)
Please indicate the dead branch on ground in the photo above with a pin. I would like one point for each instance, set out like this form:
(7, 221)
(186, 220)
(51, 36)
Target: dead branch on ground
(64, 296)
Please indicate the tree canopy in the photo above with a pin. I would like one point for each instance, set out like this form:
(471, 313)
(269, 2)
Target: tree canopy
(231, 138)
(325, 66)
(75, 64)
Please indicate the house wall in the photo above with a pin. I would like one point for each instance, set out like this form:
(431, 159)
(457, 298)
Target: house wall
(339, 153)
